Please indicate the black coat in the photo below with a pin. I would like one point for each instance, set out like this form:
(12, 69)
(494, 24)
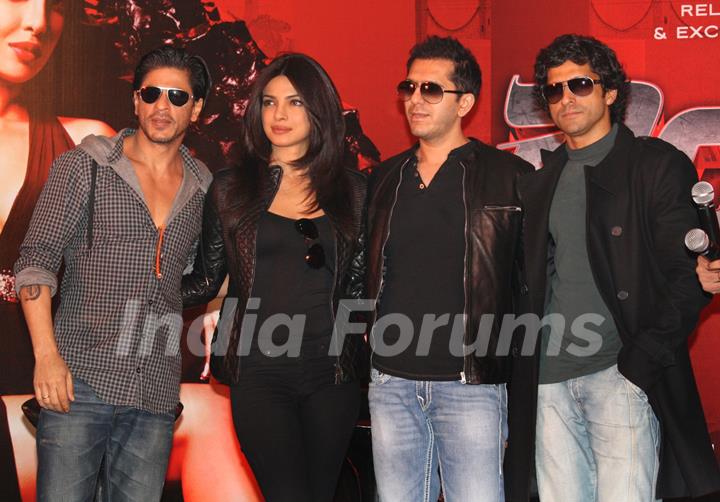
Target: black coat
(638, 211)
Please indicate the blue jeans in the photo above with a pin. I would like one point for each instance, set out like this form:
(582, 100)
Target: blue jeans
(427, 434)
(597, 440)
(134, 444)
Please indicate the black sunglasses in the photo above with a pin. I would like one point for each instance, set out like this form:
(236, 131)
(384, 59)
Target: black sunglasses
(430, 91)
(150, 94)
(579, 86)
(315, 254)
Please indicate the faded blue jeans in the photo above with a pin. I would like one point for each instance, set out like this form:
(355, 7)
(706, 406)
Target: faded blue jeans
(134, 444)
(597, 440)
(427, 434)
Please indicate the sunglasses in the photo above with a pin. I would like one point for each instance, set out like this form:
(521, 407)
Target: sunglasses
(177, 97)
(315, 254)
(430, 91)
(579, 86)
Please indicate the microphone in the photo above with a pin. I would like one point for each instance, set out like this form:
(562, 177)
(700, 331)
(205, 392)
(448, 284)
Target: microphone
(703, 196)
(697, 241)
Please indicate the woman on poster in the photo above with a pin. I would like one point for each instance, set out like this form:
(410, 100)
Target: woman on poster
(31, 136)
(286, 224)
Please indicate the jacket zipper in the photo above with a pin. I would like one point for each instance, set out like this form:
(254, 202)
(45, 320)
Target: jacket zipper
(491, 207)
(338, 370)
(382, 248)
(463, 373)
(158, 252)
(254, 264)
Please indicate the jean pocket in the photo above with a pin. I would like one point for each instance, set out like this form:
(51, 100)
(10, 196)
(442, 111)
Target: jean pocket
(378, 377)
(83, 392)
(633, 389)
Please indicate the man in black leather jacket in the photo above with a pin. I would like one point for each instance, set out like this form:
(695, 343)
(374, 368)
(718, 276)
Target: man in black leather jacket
(444, 224)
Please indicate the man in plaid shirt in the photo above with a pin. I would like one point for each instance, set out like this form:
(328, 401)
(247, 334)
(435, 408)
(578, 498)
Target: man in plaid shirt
(124, 213)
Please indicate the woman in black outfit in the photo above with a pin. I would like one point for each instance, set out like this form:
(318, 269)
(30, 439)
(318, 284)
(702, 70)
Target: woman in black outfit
(287, 225)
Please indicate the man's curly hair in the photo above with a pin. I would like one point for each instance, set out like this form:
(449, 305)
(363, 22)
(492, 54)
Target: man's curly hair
(584, 50)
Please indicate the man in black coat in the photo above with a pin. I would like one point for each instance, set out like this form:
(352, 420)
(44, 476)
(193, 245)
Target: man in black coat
(618, 414)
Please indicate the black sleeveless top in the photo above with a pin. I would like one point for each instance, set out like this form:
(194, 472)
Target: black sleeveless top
(48, 139)
(287, 288)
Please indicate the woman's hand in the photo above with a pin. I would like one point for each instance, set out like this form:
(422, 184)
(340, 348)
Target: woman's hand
(210, 321)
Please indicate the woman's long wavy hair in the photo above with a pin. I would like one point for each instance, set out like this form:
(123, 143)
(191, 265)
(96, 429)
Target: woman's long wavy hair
(325, 160)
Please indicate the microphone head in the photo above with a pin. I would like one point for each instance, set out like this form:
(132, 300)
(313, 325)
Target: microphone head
(703, 193)
(697, 241)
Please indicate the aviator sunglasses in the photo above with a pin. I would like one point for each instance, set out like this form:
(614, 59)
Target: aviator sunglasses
(177, 97)
(579, 86)
(430, 91)
(315, 254)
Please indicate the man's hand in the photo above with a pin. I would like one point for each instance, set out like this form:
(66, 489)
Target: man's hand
(53, 383)
(708, 273)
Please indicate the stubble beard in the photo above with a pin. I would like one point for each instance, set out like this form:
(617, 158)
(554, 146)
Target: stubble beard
(162, 140)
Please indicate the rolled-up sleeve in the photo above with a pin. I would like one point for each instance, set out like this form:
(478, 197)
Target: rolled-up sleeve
(56, 219)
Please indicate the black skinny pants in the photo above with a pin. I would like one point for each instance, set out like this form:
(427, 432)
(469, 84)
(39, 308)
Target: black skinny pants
(294, 426)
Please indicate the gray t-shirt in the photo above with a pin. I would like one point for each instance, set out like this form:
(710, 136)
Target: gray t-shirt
(587, 341)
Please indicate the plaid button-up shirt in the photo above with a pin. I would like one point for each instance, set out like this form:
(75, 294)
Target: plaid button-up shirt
(119, 322)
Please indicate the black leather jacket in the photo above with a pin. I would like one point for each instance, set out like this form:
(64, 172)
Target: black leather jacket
(493, 225)
(230, 221)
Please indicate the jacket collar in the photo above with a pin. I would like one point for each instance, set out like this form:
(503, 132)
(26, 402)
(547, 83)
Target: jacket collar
(463, 153)
(272, 176)
(275, 174)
